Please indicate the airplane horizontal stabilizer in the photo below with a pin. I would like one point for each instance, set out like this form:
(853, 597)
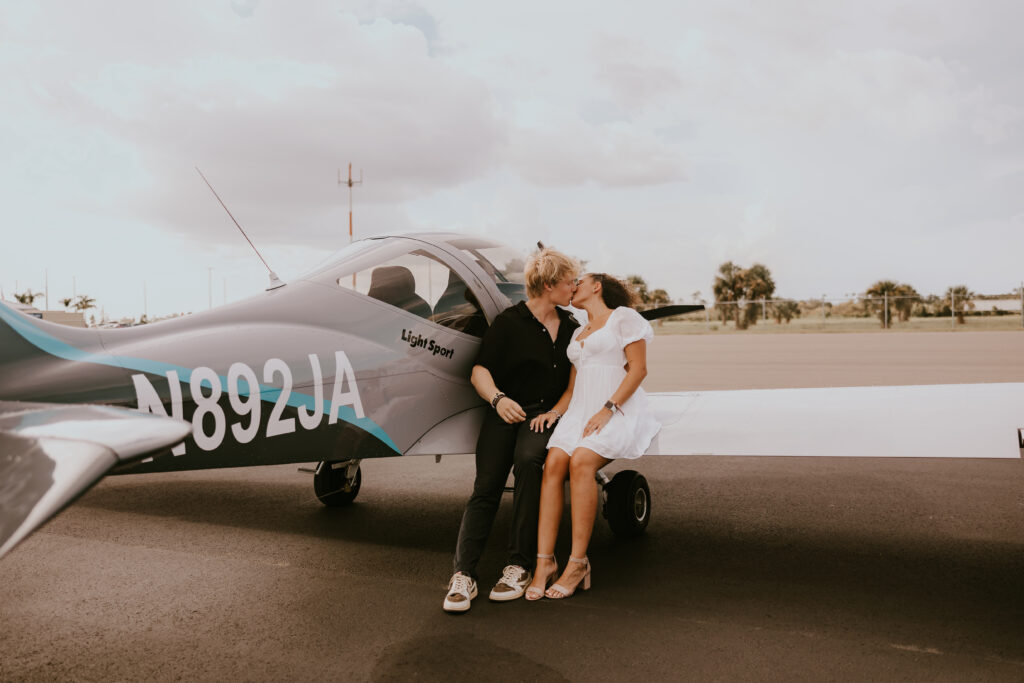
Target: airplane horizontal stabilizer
(666, 311)
(933, 421)
(50, 454)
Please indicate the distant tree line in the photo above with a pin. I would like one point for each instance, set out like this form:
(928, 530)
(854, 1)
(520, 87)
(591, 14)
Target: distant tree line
(743, 295)
(648, 297)
(81, 303)
(897, 302)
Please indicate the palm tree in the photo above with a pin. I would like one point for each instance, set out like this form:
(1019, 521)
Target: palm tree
(639, 285)
(659, 297)
(646, 296)
(728, 289)
(959, 299)
(27, 297)
(84, 303)
(878, 295)
(758, 284)
(906, 297)
(785, 309)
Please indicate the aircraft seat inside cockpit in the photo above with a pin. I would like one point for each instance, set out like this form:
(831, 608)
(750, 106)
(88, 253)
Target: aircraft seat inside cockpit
(454, 295)
(458, 308)
(396, 285)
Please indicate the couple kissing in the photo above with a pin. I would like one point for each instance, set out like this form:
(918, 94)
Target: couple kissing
(565, 401)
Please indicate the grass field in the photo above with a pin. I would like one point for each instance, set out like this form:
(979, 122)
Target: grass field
(693, 325)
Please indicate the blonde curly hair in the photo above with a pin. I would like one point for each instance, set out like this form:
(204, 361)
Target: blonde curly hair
(548, 267)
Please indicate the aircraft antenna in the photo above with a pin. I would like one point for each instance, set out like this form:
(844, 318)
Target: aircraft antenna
(275, 281)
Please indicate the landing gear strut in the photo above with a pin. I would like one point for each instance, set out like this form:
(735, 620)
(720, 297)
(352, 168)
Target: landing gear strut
(337, 483)
(627, 505)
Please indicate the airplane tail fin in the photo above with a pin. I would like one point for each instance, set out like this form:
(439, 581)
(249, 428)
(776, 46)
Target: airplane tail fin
(28, 345)
(666, 311)
(16, 330)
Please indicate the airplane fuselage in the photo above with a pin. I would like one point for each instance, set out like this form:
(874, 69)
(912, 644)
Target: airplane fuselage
(315, 370)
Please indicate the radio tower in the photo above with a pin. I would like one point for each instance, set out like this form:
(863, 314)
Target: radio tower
(350, 184)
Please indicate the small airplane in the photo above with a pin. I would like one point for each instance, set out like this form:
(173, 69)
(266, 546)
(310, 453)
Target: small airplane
(369, 355)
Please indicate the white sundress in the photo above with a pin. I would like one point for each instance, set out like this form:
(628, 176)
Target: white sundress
(600, 368)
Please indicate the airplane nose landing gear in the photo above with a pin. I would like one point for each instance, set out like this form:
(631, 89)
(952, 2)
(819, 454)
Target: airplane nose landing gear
(337, 483)
(627, 505)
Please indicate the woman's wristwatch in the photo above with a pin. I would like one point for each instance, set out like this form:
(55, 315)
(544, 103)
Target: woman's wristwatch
(497, 397)
(612, 406)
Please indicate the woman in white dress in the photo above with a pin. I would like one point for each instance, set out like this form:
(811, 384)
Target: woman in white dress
(603, 415)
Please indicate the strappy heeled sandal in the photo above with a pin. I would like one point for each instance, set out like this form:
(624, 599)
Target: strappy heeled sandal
(559, 592)
(534, 593)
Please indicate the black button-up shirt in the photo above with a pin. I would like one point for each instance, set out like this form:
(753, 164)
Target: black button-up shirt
(523, 361)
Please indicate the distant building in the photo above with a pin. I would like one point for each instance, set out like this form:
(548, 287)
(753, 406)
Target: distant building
(24, 308)
(69, 318)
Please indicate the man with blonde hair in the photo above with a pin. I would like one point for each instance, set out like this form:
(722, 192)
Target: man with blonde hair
(522, 370)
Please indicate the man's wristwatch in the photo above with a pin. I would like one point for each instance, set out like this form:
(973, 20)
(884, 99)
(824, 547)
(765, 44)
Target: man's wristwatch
(497, 397)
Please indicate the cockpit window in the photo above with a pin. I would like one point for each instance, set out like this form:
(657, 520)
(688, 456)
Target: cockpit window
(418, 283)
(503, 264)
(357, 255)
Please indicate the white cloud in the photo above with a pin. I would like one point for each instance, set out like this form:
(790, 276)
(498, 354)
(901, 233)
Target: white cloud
(635, 74)
(271, 129)
(613, 154)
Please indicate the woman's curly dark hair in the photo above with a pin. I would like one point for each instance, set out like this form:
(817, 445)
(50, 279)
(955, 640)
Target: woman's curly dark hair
(615, 292)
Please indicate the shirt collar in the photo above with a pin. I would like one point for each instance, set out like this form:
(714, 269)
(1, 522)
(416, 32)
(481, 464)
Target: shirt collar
(564, 314)
(523, 310)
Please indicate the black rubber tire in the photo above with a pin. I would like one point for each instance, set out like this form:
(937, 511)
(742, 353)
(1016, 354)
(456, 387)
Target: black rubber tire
(628, 507)
(328, 483)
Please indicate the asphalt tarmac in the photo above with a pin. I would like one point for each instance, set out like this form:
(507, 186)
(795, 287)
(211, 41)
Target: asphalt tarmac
(752, 568)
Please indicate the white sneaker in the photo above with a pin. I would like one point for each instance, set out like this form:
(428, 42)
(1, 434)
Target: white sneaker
(512, 584)
(461, 591)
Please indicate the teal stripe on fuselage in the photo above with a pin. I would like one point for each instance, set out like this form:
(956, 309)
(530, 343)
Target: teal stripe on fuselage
(61, 349)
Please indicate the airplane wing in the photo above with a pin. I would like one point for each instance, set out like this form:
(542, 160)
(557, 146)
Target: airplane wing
(50, 454)
(935, 421)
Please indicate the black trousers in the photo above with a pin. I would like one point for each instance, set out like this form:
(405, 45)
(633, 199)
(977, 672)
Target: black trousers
(501, 447)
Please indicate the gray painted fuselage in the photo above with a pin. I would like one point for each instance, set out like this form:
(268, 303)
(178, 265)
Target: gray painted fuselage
(306, 372)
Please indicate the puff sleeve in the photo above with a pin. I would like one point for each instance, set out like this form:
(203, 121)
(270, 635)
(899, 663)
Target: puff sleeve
(631, 326)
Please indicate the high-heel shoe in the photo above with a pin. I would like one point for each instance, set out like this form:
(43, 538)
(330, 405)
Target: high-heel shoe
(534, 593)
(558, 591)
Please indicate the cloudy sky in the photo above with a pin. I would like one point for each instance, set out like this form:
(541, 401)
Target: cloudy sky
(836, 142)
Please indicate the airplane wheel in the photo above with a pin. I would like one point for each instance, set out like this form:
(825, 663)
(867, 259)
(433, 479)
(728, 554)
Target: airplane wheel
(329, 485)
(628, 506)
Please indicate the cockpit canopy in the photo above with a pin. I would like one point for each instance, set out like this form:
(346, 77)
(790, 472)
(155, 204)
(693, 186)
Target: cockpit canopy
(426, 275)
